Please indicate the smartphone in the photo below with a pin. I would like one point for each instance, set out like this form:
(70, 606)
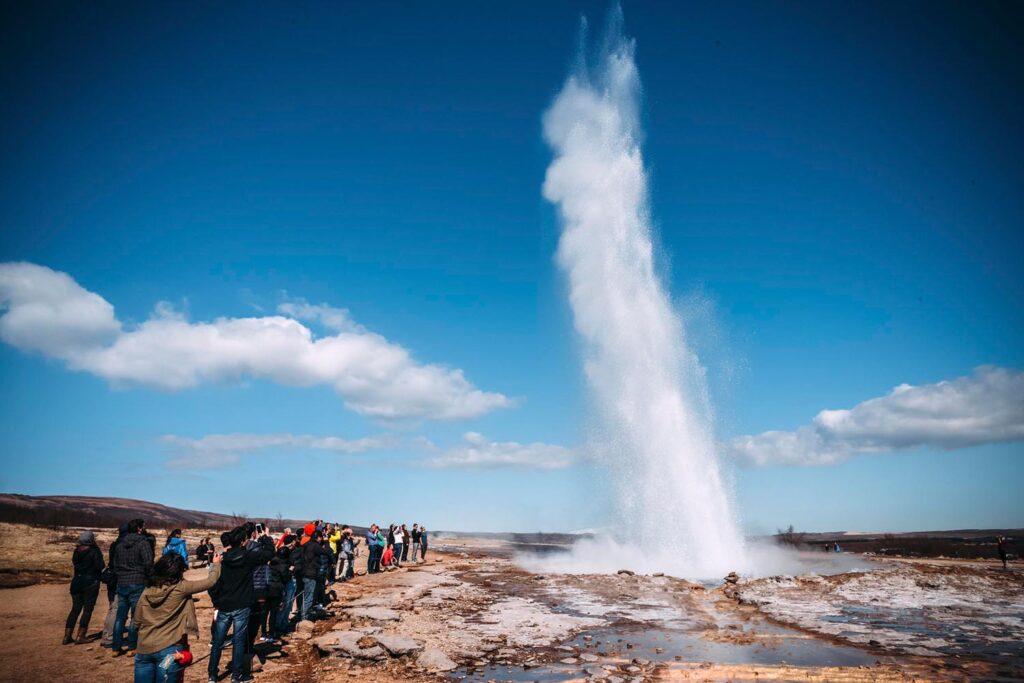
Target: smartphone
(259, 529)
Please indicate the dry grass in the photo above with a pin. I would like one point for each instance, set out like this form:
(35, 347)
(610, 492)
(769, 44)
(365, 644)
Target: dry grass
(30, 555)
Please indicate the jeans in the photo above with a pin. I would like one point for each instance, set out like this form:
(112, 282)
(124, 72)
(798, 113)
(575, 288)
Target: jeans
(151, 668)
(372, 557)
(423, 552)
(415, 551)
(127, 599)
(82, 603)
(308, 594)
(238, 620)
(279, 620)
(398, 554)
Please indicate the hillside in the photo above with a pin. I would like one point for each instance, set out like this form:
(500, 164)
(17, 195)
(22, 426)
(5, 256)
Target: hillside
(111, 512)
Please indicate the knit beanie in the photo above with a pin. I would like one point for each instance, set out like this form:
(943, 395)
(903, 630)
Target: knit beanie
(86, 538)
(309, 529)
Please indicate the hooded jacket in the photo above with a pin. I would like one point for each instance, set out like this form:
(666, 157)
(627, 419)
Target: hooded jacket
(88, 562)
(177, 545)
(234, 590)
(133, 560)
(166, 613)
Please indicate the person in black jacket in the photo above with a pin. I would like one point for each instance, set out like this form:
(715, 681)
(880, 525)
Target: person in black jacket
(313, 558)
(280, 578)
(85, 585)
(233, 595)
(131, 562)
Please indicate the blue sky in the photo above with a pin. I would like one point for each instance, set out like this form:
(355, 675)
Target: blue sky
(837, 189)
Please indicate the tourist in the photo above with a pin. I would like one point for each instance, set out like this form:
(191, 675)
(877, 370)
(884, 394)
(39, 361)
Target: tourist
(233, 596)
(347, 555)
(423, 543)
(1001, 547)
(85, 585)
(288, 555)
(284, 534)
(165, 618)
(334, 541)
(415, 534)
(399, 544)
(259, 609)
(109, 577)
(279, 579)
(312, 554)
(373, 549)
(176, 544)
(132, 563)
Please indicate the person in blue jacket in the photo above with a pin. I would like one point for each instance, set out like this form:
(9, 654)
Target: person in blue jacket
(176, 544)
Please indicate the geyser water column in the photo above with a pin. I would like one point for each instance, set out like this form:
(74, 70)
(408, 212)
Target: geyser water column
(649, 387)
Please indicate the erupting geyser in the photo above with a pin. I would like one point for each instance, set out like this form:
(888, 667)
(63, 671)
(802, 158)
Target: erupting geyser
(649, 387)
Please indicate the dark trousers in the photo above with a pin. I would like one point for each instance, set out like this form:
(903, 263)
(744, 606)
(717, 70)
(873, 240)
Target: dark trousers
(83, 602)
(373, 559)
(258, 613)
(238, 622)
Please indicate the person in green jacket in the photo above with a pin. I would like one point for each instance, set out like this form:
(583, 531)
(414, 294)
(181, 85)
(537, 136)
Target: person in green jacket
(165, 617)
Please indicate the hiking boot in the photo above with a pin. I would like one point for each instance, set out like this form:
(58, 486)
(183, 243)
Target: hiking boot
(67, 636)
(80, 640)
(117, 653)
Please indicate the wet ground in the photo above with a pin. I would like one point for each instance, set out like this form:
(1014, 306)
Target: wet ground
(472, 614)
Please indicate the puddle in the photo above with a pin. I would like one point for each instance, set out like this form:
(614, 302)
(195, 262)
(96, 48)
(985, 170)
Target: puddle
(619, 644)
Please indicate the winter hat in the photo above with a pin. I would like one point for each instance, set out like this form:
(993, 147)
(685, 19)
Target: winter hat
(86, 538)
(309, 529)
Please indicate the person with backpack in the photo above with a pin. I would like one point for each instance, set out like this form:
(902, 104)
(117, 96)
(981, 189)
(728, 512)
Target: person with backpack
(176, 544)
(233, 596)
(166, 617)
(85, 585)
(132, 563)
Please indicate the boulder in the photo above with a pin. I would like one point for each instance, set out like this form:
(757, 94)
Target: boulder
(304, 626)
(732, 577)
(433, 659)
(399, 645)
(626, 572)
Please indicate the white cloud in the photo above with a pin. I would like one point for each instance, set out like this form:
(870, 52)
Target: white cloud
(46, 311)
(984, 407)
(479, 453)
(218, 450)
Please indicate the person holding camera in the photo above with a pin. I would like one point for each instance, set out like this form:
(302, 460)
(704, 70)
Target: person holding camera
(233, 596)
(165, 617)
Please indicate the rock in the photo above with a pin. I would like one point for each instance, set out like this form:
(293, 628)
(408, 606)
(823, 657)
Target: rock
(568, 660)
(588, 657)
(616, 679)
(374, 613)
(732, 577)
(658, 574)
(626, 572)
(348, 643)
(433, 659)
(366, 641)
(399, 645)
(304, 626)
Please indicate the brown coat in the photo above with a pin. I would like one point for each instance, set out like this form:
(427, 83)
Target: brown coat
(165, 614)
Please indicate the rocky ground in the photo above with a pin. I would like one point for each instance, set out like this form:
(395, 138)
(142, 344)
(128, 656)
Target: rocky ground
(471, 614)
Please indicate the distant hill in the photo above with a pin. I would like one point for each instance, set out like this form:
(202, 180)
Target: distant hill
(112, 512)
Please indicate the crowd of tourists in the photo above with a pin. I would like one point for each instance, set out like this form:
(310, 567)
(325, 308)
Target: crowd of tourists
(261, 584)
